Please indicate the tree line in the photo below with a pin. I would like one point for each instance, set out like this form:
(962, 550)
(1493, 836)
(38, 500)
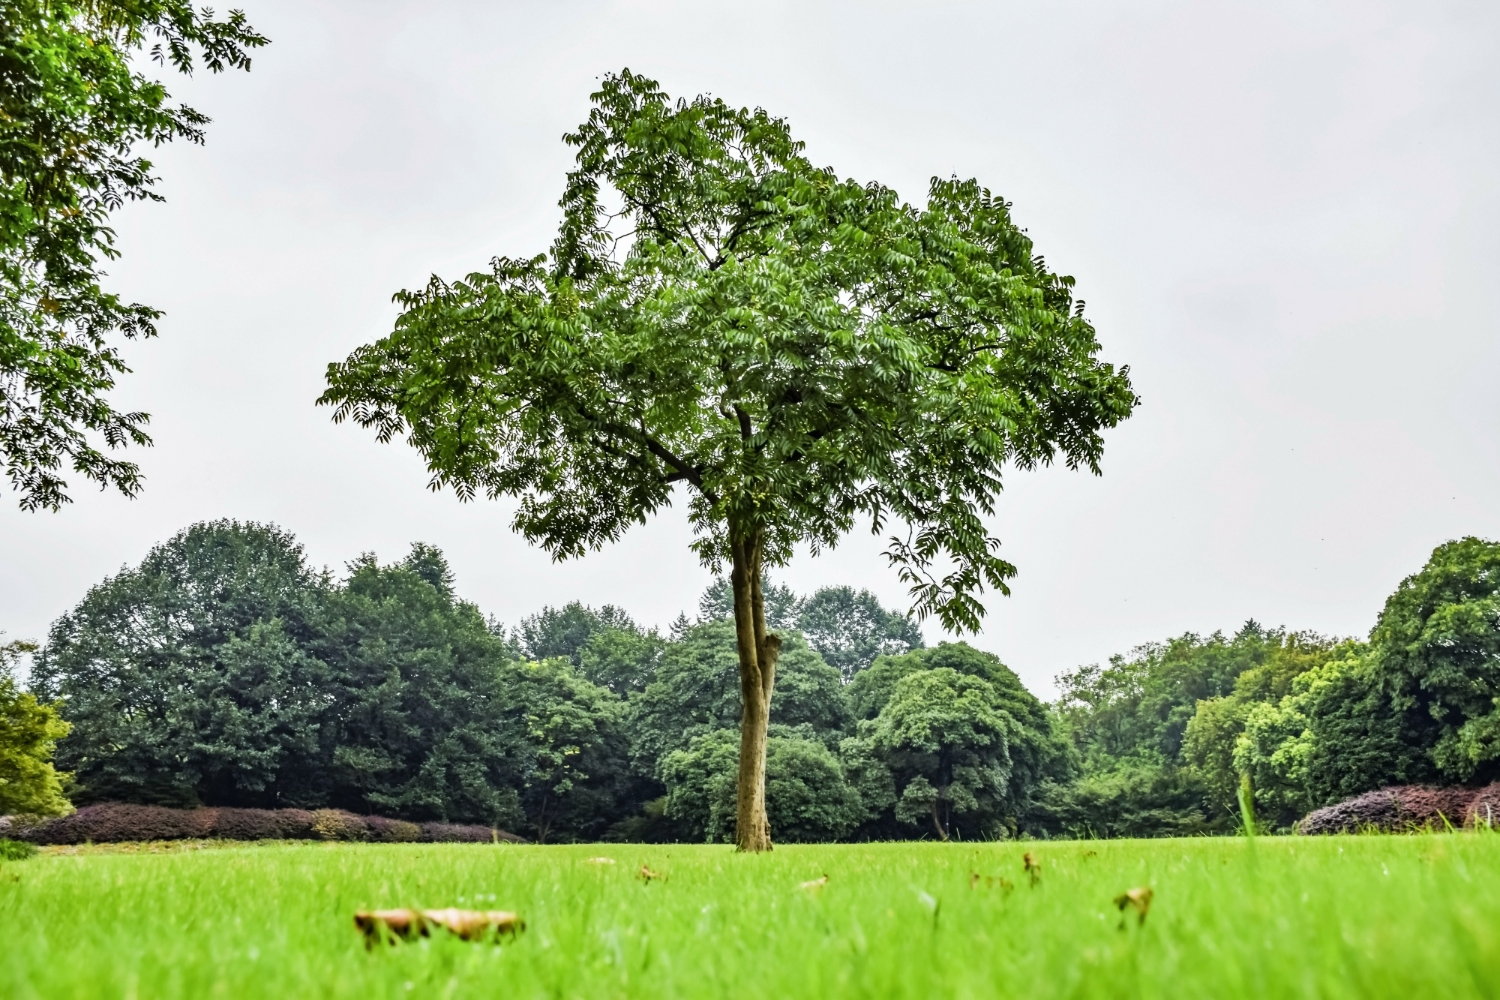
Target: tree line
(224, 670)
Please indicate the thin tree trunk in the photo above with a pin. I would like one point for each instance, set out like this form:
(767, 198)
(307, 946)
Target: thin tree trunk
(758, 651)
(937, 823)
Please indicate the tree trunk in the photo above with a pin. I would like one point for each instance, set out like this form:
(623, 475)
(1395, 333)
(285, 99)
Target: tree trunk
(937, 822)
(758, 651)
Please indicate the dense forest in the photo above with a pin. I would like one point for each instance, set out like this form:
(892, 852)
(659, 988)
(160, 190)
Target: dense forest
(224, 670)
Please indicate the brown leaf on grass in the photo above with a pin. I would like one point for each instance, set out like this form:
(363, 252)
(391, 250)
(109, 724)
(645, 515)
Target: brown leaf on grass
(813, 885)
(1032, 866)
(1005, 885)
(647, 874)
(1139, 898)
(470, 925)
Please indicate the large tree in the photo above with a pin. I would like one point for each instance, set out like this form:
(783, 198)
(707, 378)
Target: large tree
(800, 351)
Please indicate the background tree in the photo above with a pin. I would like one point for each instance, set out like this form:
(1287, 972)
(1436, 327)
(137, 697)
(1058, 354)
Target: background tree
(191, 677)
(581, 779)
(566, 630)
(29, 731)
(696, 691)
(946, 740)
(73, 110)
(422, 717)
(850, 629)
(799, 350)
(1437, 652)
(808, 796)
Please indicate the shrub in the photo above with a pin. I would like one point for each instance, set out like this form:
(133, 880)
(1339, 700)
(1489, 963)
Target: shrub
(457, 833)
(265, 824)
(392, 831)
(1405, 807)
(15, 850)
(336, 824)
(113, 822)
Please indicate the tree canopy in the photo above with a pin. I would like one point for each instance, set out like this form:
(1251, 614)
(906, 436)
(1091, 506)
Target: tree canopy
(800, 350)
(74, 108)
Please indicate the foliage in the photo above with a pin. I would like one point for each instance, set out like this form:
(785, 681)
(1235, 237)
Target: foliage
(848, 628)
(1437, 645)
(29, 731)
(422, 720)
(782, 604)
(16, 850)
(696, 691)
(798, 348)
(565, 631)
(621, 659)
(73, 111)
(1404, 808)
(1133, 799)
(946, 738)
(1154, 732)
(801, 351)
(1219, 741)
(807, 794)
(223, 671)
(189, 677)
(581, 778)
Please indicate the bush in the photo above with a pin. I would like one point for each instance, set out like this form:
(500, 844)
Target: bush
(15, 850)
(458, 833)
(264, 824)
(1405, 807)
(393, 831)
(336, 824)
(113, 822)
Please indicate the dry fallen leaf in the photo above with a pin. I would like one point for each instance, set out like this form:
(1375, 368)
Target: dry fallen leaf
(814, 885)
(647, 874)
(1033, 867)
(1139, 897)
(467, 924)
(1005, 885)
(601, 861)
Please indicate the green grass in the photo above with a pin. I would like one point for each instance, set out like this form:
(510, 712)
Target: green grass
(1286, 917)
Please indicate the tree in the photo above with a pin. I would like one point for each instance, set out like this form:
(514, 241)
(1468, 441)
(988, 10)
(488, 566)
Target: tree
(29, 731)
(581, 777)
(947, 741)
(782, 605)
(566, 630)
(850, 629)
(696, 691)
(72, 112)
(621, 659)
(1437, 648)
(423, 716)
(798, 351)
(190, 678)
(808, 796)
(1210, 741)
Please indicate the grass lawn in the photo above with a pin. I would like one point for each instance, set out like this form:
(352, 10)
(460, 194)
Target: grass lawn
(1404, 916)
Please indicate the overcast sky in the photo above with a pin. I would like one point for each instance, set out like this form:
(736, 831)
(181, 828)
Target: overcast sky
(1283, 216)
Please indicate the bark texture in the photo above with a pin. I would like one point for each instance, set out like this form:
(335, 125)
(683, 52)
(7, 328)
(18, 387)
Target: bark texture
(758, 651)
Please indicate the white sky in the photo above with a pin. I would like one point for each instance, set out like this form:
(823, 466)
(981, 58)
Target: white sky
(1283, 217)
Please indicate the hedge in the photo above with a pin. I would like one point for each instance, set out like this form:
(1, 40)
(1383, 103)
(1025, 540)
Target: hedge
(112, 822)
(1406, 807)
